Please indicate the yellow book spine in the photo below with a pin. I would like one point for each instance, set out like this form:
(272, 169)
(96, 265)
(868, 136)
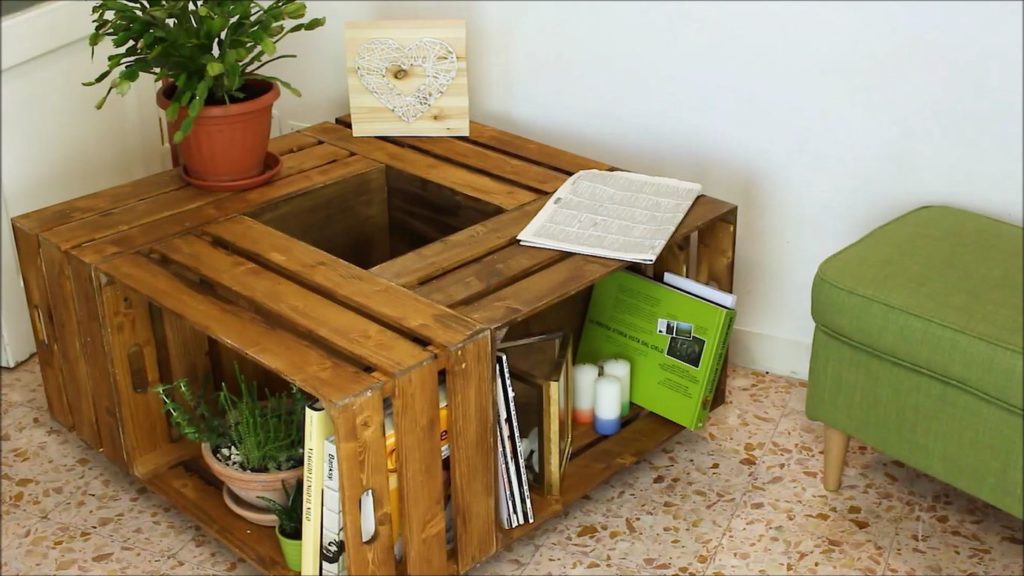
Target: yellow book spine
(318, 428)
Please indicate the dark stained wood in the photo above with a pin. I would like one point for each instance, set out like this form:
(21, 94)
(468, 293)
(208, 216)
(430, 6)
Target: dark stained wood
(471, 394)
(204, 503)
(343, 282)
(518, 146)
(421, 212)
(230, 205)
(146, 434)
(358, 428)
(459, 248)
(487, 160)
(337, 326)
(554, 283)
(349, 222)
(419, 470)
(47, 347)
(71, 360)
(459, 179)
(488, 274)
(97, 362)
(297, 360)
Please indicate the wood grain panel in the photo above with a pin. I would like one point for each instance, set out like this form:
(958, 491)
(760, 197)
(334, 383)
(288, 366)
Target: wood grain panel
(343, 282)
(463, 180)
(47, 347)
(488, 274)
(293, 358)
(471, 392)
(359, 431)
(530, 295)
(453, 251)
(418, 430)
(337, 326)
(135, 238)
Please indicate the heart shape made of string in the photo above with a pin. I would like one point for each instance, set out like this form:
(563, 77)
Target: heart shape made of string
(435, 57)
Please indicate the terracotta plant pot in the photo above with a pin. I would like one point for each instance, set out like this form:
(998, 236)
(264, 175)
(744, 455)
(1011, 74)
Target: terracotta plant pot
(249, 486)
(291, 549)
(228, 142)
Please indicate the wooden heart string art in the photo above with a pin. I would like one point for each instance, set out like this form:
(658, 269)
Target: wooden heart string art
(435, 57)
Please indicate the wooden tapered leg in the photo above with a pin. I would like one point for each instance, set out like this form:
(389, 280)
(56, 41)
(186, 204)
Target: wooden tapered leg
(836, 442)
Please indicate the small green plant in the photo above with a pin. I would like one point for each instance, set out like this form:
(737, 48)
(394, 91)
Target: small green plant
(257, 435)
(208, 48)
(289, 516)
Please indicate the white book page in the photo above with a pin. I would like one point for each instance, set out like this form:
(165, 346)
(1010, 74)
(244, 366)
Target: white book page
(617, 215)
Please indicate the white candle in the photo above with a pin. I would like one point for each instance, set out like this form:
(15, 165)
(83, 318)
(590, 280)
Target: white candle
(583, 379)
(607, 405)
(619, 368)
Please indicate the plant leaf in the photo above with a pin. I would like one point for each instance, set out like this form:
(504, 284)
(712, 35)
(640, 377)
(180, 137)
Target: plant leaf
(214, 68)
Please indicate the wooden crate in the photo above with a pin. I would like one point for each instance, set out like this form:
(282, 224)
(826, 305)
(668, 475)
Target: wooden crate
(238, 286)
(378, 263)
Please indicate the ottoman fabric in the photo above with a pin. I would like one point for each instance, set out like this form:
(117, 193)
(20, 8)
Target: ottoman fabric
(917, 349)
(938, 288)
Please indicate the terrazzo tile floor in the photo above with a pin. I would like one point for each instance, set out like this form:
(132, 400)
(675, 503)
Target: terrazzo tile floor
(741, 496)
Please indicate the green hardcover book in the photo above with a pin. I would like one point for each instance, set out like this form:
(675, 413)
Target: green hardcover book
(675, 343)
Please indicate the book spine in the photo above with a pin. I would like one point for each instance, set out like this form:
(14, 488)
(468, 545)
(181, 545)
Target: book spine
(709, 391)
(523, 485)
(318, 427)
(332, 545)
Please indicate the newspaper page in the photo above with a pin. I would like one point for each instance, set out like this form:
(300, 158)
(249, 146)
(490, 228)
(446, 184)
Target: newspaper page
(617, 215)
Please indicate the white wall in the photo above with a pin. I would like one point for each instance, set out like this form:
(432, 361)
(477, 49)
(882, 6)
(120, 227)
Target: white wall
(55, 144)
(820, 120)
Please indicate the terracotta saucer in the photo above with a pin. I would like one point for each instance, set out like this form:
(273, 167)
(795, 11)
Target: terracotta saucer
(248, 511)
(271, 166)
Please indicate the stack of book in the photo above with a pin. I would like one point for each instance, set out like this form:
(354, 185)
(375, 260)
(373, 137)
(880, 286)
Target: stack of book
(514, 505)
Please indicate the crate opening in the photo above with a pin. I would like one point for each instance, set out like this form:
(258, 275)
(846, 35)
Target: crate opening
(386, 213)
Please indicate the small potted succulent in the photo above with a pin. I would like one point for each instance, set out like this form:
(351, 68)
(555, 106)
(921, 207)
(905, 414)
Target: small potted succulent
(207, 56)
(289, 525)
(252, 444)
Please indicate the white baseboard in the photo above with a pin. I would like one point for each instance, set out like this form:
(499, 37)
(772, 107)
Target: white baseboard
(770, 353)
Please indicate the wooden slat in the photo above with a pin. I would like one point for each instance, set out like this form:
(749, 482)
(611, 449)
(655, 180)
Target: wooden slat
(358, 429)
(47, 347)
(291, 143)
(341, 328)
(205, 504)
(488, 274)
(294, 359)
(471, 393)
(487, 160)
(521, 147)
(97, 365)
(72, 361)
(546, 287)
(132, 353)
(343, 282)
(134, 191)
(230, 205)
(459, 248)
(418, 430)
(585, 437)
(486, 188)
(156, 207)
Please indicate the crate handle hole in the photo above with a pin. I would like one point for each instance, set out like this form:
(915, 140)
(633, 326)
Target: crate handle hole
(367, 516)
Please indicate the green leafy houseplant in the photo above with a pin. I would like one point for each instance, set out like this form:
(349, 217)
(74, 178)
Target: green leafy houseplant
(209, 49)
(289, 515)
(257, 435)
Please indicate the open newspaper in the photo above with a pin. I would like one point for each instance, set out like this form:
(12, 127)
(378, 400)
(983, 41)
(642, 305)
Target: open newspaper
(617, 215)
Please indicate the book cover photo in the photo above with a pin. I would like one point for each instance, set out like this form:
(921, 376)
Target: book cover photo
(675, 342)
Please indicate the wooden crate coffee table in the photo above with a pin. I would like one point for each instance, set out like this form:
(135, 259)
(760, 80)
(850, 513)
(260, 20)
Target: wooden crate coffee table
(369, 269)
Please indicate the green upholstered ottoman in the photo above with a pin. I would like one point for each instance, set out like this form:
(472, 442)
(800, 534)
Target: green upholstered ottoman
(917, 350)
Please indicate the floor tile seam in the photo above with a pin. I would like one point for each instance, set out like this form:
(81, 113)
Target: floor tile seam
(750, 480)
(759, 469)
(113, 535)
